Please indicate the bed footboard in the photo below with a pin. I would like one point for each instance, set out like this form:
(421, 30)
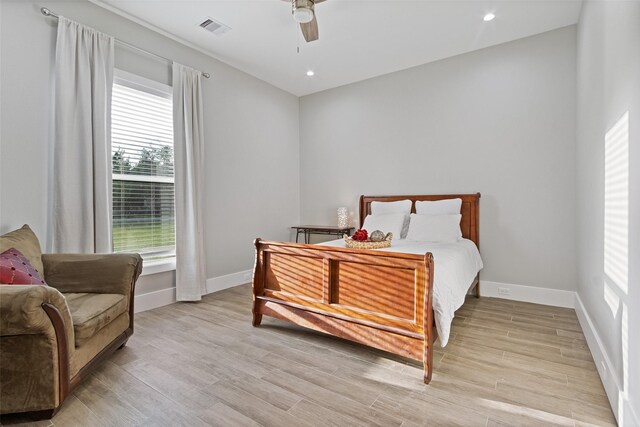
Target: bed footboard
(380, 299)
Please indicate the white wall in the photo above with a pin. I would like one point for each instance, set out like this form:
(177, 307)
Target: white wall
(608, 86)
(500, 121)
(251, 131)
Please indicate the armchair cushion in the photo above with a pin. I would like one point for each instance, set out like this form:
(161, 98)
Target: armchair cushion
(92, 312)
(15, 269)
(26, 242)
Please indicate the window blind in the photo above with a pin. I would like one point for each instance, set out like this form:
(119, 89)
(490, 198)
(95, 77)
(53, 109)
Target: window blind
(143, 179)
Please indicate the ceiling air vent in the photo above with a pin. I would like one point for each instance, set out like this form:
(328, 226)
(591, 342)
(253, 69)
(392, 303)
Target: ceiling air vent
(215, 27)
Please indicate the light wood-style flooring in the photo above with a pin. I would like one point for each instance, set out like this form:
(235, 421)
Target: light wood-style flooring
(198, 364)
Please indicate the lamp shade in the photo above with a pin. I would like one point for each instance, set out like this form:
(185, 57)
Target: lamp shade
(343, 217)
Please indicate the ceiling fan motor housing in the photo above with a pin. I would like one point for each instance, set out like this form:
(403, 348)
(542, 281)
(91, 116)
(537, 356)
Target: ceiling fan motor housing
(302, 10)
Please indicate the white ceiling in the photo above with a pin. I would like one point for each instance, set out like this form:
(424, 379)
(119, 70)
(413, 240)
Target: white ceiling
(359, 39)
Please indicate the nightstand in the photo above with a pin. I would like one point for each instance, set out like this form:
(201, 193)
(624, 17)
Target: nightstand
(308, 230)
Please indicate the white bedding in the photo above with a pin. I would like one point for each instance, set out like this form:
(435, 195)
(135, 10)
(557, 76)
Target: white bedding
(456, 264)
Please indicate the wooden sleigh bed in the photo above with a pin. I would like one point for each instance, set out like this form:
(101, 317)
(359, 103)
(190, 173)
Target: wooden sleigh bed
(380, 299)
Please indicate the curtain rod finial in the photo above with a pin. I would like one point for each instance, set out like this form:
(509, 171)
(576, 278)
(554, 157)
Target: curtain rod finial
(45, 11)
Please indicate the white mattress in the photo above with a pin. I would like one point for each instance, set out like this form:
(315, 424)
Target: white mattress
(456, 265)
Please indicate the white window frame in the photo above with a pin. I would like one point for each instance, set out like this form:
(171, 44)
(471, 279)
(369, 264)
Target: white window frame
(163, 260)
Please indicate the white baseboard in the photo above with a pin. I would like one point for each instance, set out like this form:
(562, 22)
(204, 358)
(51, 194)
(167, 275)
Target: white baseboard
(531, 294)
(154, 299)
(216, 284)
(546, 296)
(164, 297)
(623, 411)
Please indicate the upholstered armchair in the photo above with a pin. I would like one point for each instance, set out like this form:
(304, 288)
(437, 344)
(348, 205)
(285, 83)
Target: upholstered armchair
(52, 336)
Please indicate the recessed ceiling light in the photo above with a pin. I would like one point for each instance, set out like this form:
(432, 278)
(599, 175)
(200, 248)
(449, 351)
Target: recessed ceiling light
(310, 73)
(489, 17)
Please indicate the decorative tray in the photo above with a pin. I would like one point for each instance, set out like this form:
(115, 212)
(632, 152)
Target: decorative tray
(366, 244)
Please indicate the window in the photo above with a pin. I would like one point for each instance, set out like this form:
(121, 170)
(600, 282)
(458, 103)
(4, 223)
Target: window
(142, 167)
(616, 204)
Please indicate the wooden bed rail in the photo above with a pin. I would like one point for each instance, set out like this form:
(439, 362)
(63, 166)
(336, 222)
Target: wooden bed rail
(380, 299)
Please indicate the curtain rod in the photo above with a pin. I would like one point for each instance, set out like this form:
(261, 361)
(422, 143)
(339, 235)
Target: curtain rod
(48, 12)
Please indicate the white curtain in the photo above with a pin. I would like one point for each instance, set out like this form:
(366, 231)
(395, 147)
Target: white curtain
(189, 182)
(82, 139)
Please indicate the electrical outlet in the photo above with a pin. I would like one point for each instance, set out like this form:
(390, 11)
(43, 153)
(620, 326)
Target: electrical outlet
(504, 291)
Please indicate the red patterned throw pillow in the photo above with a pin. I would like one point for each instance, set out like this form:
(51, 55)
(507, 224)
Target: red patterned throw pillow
(15, 269)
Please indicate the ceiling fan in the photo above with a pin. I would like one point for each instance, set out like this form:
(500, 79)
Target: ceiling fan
(303, 12)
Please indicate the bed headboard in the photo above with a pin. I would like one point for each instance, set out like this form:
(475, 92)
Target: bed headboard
(469, 224)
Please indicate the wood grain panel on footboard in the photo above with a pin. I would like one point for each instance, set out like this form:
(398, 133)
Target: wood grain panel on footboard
(377, 289)
(300, 276)
(381, 299)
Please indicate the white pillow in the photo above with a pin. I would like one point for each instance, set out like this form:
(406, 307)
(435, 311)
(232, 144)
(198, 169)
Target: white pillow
(389, 223)
(383, 208)
(401, 206)
(439, 207)
(435, 228)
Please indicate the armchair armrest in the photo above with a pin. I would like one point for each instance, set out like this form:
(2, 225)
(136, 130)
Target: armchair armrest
(95, 273)
(37, 337)
(22, 311)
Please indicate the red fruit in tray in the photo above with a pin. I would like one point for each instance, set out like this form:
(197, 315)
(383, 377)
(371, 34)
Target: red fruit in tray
(360, 235)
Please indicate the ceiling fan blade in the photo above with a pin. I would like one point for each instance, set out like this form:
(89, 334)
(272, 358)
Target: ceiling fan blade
(310, 30)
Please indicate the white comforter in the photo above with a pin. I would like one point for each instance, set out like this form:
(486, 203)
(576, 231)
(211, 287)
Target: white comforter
(456, 265)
